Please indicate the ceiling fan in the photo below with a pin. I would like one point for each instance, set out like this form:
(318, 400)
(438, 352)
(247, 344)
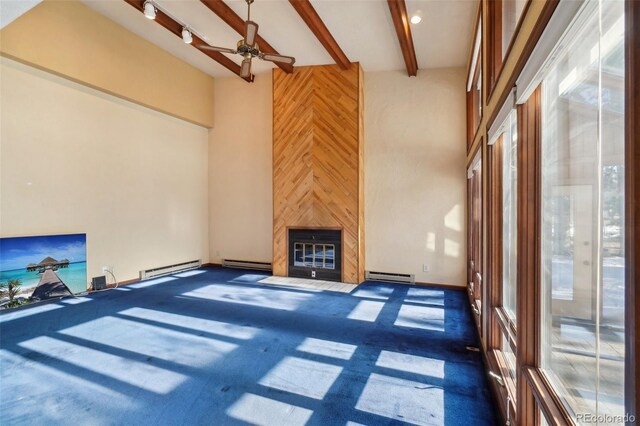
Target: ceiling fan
(248, 47)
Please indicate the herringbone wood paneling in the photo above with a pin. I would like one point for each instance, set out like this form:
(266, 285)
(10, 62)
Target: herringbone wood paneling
(318, 159)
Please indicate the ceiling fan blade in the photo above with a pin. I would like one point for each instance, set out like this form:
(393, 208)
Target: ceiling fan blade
(217, 49)
(245, 68)
(250, 33)
(278, 58)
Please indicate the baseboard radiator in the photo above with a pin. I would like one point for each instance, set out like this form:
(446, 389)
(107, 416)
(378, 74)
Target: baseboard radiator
(246, 264)
(391, 277)
(170, 269)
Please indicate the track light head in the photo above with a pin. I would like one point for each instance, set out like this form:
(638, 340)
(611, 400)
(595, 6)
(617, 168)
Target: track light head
(149, 10)
(186, 35)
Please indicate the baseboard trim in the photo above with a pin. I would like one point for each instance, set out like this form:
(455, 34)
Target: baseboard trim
(211, 265)
(445, 286)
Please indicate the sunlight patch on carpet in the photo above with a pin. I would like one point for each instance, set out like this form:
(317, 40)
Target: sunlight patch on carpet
(402, 400)
(198, 324)
(152, 341)
(264, 411)
(268, 298)
(423, 317)
(303, 377)
(327, 348)
(135, 373)
(411, 364)
(366, 310)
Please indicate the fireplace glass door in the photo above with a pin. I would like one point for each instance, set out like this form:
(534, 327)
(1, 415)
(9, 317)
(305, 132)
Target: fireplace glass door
(314, 255)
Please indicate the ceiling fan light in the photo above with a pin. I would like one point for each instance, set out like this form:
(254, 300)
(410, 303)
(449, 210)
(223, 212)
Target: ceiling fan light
(186, 35)
(149, 10)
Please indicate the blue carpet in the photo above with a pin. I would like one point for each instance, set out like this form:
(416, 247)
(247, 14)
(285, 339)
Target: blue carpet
(214, 347)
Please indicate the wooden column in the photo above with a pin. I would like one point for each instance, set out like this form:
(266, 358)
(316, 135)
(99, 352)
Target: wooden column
(318, 160)
(528, 246)
(632, 208)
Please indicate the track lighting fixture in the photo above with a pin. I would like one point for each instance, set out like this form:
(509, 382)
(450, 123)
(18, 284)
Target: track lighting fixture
(149, 10)
(186, 35)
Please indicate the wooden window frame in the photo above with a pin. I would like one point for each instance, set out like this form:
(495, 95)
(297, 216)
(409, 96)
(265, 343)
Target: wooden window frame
(499, 322)
(632, 207)
(535, 397)
(528, 309)
(474, 99)
(548, 9)
(496, 60)
(475, 250)
(538, 392)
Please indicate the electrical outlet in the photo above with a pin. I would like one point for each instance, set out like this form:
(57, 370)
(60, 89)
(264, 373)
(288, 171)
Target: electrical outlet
(313, 274)
(105, 269)
(425, 268)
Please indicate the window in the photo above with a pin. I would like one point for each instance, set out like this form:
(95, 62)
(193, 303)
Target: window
(509, 217)
(474, 86)
(511, 12)
(582, 258)
(474, 183)
(502, 246)
(504, 16)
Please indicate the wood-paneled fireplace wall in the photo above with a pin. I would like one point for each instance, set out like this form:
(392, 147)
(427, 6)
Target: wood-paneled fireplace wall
(318, 160)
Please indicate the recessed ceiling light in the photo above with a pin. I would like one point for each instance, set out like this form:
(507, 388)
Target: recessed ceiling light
(416, 19)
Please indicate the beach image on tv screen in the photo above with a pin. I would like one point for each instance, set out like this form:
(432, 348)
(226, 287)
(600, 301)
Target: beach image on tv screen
(34, 260)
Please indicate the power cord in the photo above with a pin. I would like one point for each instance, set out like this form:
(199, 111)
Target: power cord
(113, 276)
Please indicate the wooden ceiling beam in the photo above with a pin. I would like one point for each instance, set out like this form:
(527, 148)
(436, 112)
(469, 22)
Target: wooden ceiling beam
(319, 29)
(176, 28)
(400, 19)
(225, 13)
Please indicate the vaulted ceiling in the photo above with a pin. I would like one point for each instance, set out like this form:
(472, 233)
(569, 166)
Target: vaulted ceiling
(363, 29)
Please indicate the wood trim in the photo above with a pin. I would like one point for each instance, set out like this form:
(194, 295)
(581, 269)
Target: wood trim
(323, 190)
(496, 363)
(505, 327)
(510, 384)
(361, 178)
(309, 15)
(546, 399)
(507, 53)
(632, 207)
(400, 18)
(494, 44)
(443, 286)
(469, 119)
(528, 249)
(473, 42)
(473, 118)
(538, 29)
(494, 240)
(225, 13)
(475, 109)
(475, 214)
(176, 28)
(211, 265)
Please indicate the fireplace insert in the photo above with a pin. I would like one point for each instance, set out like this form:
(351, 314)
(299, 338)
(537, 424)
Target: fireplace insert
(315, 253)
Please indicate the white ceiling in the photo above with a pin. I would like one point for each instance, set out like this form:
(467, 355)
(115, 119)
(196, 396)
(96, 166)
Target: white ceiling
(10, 10)
(362, 28)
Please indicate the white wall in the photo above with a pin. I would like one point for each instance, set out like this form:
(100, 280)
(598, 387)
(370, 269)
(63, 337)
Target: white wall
(240, 171)
(415, 182)
(75, 160)
(415, 186)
